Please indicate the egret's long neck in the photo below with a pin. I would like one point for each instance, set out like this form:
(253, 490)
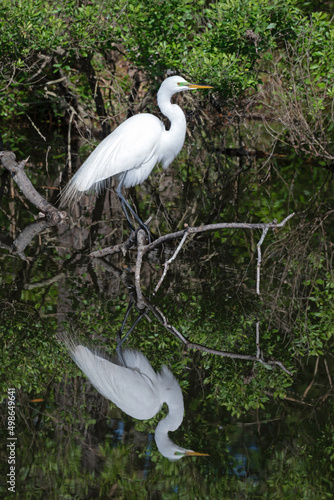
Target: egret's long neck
(174, 137)
(170, 423)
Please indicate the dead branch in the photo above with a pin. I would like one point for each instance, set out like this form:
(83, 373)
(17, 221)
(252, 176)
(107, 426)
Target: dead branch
(199, 347)
(143, 303)
(192, 230)
(140, 240)
(7, 159)
(24, 238)
(169, 261)
(259, 259)
(209, 227)
(313, 379)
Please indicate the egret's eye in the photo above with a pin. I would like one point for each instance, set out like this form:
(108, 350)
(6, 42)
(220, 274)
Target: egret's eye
(177, 453)
(182, 84)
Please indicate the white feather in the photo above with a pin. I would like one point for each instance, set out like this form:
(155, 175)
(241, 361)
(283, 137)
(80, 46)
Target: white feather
(136, 389)
(134, 148)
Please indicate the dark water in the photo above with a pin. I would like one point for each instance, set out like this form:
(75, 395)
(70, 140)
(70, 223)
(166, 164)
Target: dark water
(268, 434)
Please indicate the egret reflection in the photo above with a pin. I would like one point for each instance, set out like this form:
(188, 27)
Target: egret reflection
(137, 390)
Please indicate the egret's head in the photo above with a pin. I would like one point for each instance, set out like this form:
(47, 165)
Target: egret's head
(174, 84)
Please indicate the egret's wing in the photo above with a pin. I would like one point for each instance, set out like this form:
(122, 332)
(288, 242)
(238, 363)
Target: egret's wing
(138, 361)
(132, 391)
(133, 144)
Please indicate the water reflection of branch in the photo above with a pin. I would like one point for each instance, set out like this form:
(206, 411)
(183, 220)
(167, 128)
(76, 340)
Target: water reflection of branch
(199, 347)
(19, 244)
(143, 303)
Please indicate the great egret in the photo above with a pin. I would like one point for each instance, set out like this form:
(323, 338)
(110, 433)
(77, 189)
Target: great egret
(137, 390)
(131, 151)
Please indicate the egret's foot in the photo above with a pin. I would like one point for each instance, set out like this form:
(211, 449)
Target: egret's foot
(120, 356)
(147, 231)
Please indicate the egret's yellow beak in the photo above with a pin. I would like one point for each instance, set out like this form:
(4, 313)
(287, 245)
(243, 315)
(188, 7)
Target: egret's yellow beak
(195, 454)
(194, 86)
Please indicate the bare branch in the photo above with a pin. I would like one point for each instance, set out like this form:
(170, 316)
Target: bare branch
(7, 159)
(140, 240)
(166, 264)
(257, 341)
(199, 347)
(195, 230)
(259, 259)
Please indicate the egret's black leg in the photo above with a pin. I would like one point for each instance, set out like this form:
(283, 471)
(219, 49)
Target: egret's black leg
(120, 332)
(131, 226)
(126, 207)
(120, 340)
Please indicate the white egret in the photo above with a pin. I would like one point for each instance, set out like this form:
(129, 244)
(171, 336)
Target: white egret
(137, 390)
(131, 151)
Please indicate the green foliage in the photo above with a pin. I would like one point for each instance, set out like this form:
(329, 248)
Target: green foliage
(228, 38)
(47, 49)
(28, 356)
(288, 472)
(316, 334)
(33, 27)
(314, 49)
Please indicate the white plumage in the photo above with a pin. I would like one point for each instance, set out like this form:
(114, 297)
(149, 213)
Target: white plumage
(137, 390)
(132, 150)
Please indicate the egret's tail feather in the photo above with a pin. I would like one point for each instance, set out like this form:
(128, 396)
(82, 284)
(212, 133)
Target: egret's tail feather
(72, 193)
(73, 340)
(70, 340)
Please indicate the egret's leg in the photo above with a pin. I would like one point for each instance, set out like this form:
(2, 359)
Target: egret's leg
(126, 207)
(131, 226)
(121, 340)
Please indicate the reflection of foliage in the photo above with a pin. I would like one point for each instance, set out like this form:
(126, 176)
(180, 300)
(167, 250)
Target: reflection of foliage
(61, 456)
(28, 356)
(290, 469)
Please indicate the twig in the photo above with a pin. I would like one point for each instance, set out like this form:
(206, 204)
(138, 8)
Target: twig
(257, 341)
(259, 258)
(169, 261)
(69, 155)
(36, 128)
(140, 240)
(297, 401)
(312, 381)
(121, 247)
(46, 282)
(328, 374)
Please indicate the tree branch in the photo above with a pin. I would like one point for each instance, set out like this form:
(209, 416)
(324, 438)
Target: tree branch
(192, 230)
(199, 347)
(7, 159)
